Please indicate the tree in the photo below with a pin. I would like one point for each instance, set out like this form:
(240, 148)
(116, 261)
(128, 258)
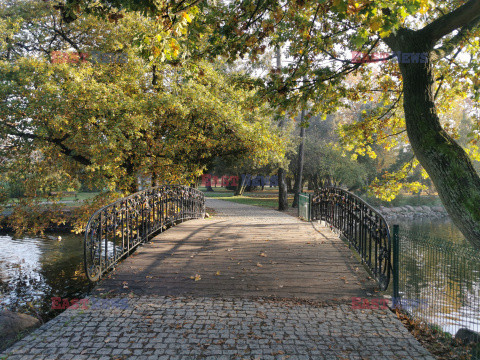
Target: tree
(325, 160)
(107, 122)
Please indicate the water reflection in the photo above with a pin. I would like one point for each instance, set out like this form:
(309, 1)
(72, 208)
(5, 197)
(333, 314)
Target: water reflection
(439, 268)
(34, 269)
(438, 228)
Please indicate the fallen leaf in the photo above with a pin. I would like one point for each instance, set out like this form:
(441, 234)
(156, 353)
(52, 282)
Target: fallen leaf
(230, 249)
(263, 254)
(197, 277)
(217, 273)
(261, 315)
(259, 265)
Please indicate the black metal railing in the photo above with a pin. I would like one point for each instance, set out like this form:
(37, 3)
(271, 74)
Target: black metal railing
(363, 227)
(116, 229)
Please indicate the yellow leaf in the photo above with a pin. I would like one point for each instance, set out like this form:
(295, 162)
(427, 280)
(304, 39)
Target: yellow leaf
(187, 17)
(197, 277)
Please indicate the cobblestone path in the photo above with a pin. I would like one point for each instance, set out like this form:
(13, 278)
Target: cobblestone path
(249, 283)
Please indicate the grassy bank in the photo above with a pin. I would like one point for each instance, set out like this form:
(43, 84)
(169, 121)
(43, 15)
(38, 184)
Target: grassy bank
(267, 198)
(68, 200)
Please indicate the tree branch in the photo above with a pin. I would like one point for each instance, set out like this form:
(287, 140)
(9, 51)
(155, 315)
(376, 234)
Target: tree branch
(59, 142)
(458, 18)
(451, 44)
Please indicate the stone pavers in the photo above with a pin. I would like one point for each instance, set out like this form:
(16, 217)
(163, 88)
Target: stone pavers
(155, 310)
(212, 328)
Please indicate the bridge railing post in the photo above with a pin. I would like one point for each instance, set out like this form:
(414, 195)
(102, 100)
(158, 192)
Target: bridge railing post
(396, 264)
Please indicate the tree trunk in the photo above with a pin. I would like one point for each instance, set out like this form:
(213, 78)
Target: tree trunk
(154, 179)
(282, 190)
(299, 177)
(288, 180)
(131, 178)
(240, 186)
(445, 161)
(133, 186)
(282, 186)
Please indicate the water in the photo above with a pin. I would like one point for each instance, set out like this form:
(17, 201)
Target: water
(35, 269)
(442, 228)
(441, 285)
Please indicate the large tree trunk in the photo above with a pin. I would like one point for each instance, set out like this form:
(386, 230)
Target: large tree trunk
(299, 177)
(282, 190)
(282, 185)
(445, 161)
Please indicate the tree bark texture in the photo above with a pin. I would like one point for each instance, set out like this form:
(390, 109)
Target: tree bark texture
(447, 164)
(282, 190)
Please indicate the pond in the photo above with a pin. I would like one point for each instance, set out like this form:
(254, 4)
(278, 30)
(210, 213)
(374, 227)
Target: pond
(438, 228)
(35, 269)
(439, 278)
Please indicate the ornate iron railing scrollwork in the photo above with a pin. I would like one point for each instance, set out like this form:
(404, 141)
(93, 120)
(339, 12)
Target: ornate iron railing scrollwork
(365, 229)
(116, 229)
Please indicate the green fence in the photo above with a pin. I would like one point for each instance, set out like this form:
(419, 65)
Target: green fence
(438, 281)
(304, 206)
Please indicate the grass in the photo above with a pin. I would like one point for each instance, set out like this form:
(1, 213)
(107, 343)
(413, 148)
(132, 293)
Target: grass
(80, 196)
(267, 198)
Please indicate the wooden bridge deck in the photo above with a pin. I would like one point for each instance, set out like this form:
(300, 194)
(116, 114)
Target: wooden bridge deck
(243, 251)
